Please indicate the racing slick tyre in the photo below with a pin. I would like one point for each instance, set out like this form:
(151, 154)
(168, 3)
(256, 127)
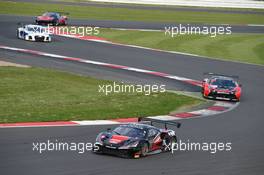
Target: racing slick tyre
(17, 34)
(173, 142)
(97, 151)
(144, 150)
(169, 142)
(55, 23)
(204, 96)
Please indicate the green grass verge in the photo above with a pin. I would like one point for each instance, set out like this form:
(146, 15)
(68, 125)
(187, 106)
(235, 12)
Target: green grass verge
(104, 13)
(236, 47)
(36, 94)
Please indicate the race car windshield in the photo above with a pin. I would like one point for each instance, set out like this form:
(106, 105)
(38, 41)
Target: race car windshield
(50, 15)
(129, 131)
(223, 83)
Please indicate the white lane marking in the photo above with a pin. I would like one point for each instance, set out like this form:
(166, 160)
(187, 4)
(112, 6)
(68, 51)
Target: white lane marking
(224, 104)
(256, 25)
(92, 62)
(178, 78)
(101, 41)
(204, 112)
(96, 122)
(52, 55)
(138, 70)
(164, 117)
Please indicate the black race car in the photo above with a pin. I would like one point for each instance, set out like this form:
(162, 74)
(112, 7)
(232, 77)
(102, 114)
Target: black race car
(136, 139)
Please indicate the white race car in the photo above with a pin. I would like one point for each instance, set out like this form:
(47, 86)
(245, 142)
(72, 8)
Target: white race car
(32, 32)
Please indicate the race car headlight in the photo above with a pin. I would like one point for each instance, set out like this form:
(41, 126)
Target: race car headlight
(130, 145)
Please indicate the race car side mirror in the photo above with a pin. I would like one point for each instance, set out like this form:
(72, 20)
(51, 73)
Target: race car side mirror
(205, 80)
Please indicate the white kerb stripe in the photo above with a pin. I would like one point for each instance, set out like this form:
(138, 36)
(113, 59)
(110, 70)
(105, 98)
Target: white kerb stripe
(164, 117)
(204, 112)
(137, 70)
(178, 78)
(96, 122)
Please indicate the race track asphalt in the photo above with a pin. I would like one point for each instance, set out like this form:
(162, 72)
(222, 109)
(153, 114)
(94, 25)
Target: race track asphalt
(243, 126)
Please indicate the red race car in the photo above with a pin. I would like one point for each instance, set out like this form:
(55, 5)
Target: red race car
(221, 86)
(53, 18)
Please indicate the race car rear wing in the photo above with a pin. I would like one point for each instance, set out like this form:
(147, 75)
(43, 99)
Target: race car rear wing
(166, 123)
(215, 74)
